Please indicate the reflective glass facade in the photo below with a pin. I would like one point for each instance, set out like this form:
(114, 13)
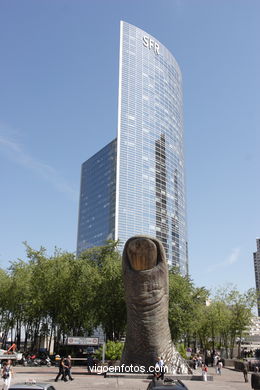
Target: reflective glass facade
(97, 199)
(150, 161)
(257, 273)
(146, 174)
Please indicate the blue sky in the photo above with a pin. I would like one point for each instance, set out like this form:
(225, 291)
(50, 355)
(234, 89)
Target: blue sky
(58, 106)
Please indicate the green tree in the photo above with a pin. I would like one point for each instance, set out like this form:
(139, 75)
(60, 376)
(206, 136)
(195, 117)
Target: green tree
(108, 304)
(239, 306)
(19, 297)
(226, 319)
(185, 301)
(61, 295)
(5, 313)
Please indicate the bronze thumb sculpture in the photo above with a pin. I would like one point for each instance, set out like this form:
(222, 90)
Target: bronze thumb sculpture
(145, 275)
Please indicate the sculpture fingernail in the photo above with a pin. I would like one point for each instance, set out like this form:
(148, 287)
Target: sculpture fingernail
(142, 254)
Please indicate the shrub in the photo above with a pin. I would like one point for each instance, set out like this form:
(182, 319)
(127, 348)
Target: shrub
(114, 350)
(182, 350)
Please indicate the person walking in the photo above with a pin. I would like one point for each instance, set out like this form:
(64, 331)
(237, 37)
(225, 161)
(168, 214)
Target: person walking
(204, 369)
(219, 366)
(216, 360)
(199, 361)
(7, 374)
(67, 368)
(245, 373)
(61, 371)
(90, 363)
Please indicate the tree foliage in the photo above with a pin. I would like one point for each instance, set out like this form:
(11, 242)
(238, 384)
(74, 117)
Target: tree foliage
(62, 296)
(198, 319)
(113, 350)
(185, 304)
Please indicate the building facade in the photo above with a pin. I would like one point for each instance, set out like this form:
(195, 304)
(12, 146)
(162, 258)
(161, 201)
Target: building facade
(256, 256)
(96, 221)
(149, 178)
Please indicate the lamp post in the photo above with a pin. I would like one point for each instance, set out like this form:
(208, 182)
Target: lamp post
(104, 349)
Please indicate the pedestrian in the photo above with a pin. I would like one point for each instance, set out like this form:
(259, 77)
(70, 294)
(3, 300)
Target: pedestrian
(204, 369)
(67, 368)
(199, 361)
(61, 371)
(216, 359)
(245, 373)
(195, 362)
(7, 373)
(90, 363)
(159, 368)
(219, 366)
(162, 368)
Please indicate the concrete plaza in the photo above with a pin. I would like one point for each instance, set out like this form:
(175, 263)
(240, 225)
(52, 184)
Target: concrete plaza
(229, 380)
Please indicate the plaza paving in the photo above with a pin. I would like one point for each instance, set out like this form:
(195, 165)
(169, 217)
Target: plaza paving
(229, 380)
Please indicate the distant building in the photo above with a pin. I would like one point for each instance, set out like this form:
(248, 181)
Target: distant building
(251, 341)
(135, 185)
(96, 222)
(257, 272)
(254, 328)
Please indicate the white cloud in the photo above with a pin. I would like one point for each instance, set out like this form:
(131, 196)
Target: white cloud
(231, 259)
(17, 154)
(234, 256)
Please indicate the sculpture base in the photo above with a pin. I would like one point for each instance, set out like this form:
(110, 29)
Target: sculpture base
(181, 377)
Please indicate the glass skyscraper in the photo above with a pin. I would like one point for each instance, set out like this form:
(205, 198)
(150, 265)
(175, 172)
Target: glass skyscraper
(97, 198)
(146, 173)
(257, 273)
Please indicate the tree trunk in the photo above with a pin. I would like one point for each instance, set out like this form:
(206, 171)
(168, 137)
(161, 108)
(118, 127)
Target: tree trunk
(26, 339)
(18, 335)
(49, 344)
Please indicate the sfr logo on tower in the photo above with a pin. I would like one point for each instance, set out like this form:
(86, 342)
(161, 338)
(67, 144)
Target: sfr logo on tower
(151, 44)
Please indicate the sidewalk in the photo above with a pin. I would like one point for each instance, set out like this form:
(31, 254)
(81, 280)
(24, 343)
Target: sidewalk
(229, 380)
